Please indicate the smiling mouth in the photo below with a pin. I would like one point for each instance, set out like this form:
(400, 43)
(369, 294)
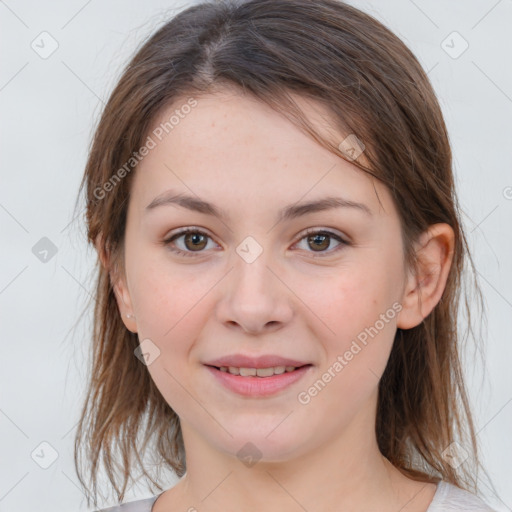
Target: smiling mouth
(258, 382)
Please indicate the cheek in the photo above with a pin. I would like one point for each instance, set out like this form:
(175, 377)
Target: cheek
(168, 300)
(354, 300)
(171, 313)
(358, 310)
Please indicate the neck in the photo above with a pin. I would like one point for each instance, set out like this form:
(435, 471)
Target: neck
(340, 474)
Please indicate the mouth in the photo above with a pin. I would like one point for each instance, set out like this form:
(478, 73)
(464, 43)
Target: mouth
(258, 382)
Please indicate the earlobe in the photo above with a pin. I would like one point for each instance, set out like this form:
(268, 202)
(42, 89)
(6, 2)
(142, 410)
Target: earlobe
(426, 283)
(124, 305)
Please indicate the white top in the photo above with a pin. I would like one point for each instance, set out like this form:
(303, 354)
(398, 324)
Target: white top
(447, 498)
(450, 498)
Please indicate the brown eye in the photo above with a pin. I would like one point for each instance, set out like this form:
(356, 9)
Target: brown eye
(319, 241)
(191, 241)
(195, 241)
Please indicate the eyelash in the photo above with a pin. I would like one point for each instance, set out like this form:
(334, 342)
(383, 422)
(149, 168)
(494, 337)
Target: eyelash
(167, 242)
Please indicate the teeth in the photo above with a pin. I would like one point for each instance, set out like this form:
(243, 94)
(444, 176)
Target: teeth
(260, 372)
(245, 372)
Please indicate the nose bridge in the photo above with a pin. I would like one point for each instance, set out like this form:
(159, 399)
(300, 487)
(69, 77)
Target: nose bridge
(256, 297)
(257, 263)
(251, 272)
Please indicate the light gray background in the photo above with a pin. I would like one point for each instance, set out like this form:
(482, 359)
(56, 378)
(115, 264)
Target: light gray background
(48, 109)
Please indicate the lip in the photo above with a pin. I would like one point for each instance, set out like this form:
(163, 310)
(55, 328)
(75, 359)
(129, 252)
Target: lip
(254, 386)
(264, 361)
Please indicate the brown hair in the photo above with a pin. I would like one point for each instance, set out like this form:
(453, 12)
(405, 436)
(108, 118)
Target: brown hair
(375, 88)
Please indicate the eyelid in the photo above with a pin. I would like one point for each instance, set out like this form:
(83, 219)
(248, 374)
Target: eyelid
(331, 231)
(184, 231)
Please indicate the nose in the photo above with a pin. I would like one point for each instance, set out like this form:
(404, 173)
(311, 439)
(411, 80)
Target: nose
(255, 298)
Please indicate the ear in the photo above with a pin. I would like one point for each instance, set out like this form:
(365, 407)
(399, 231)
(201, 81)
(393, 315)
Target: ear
(425, 285)
(119, 286)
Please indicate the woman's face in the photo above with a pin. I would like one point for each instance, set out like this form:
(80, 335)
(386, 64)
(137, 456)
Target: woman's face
(255, 282)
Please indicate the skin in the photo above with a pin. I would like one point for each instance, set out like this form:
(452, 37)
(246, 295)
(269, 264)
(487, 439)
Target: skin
(242, 156)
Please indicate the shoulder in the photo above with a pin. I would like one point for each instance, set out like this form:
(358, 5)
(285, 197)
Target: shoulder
(450, 498)
(132, 506)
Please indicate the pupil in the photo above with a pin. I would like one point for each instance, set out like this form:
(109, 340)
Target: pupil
(196, 238)
(321, 238)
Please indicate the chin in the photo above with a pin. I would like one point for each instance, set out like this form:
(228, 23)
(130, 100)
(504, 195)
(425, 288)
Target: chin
(252, 446)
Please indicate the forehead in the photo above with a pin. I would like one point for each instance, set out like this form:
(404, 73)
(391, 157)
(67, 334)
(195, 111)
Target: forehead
(233, 145)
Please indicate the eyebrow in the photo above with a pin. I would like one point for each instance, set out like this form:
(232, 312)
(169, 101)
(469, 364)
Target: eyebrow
(289, 212)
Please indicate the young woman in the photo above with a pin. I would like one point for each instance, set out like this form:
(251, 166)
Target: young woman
(271, 196)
